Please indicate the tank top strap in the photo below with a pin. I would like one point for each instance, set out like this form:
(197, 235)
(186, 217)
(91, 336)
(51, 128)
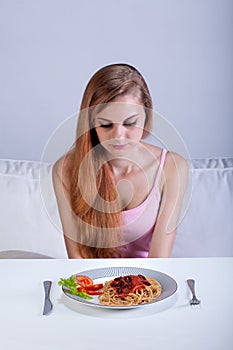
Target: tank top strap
(159, 172)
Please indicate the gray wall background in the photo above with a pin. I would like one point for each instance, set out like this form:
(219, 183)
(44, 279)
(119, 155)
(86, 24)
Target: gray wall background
(50, 48)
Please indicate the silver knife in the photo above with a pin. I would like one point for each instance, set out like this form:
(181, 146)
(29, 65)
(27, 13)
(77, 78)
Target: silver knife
(47, 302)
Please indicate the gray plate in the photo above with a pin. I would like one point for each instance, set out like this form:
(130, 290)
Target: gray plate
(102, 275)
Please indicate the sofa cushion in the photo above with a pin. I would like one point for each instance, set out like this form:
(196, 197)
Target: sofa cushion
(25, 224)
(207, 227)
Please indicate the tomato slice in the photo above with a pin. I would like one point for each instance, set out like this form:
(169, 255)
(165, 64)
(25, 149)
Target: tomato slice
(84, 281)
(93, 292)
(94, 287)
(86, 285)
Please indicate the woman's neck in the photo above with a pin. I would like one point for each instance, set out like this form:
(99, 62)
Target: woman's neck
(122, 166)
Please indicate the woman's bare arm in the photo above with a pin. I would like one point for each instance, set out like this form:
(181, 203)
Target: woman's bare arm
(173, 190)
(65, 211)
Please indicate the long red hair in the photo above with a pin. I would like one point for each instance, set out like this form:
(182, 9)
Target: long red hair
(91, 185)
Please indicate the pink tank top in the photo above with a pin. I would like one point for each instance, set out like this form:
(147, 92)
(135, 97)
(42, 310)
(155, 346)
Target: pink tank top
(139, 222)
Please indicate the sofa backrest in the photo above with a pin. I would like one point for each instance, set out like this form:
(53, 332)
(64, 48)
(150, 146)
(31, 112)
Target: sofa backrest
(25, 223)
(207, 227)
(29, 219)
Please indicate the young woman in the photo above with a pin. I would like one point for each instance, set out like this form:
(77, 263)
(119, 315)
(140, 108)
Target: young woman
(117, 195)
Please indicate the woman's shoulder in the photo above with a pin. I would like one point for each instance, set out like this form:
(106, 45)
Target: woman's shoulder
(171, 159)
(62, 166)
(175, 160)
(154, 150)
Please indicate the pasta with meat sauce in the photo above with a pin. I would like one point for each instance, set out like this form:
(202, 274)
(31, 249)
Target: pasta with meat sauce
(130, 290)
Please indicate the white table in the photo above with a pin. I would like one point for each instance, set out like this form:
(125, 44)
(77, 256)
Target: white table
(171, 324)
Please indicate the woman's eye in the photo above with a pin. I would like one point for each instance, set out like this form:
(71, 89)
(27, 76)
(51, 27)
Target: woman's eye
(111, 124)
(131, 124)
(106, 125)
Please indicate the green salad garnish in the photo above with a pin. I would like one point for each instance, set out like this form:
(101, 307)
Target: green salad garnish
(72, 284)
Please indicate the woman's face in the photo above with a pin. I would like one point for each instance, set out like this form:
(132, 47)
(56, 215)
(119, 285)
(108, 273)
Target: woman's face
(119, 126)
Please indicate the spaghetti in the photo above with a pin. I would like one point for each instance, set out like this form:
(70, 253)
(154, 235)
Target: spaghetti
(130, 290)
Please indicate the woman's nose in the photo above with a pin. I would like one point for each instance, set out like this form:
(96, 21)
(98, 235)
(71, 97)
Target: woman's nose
(118, 131)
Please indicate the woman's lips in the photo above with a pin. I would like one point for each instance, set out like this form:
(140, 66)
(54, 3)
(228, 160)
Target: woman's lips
(119, 147)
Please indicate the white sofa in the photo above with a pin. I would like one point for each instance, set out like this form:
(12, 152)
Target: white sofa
(30, 226)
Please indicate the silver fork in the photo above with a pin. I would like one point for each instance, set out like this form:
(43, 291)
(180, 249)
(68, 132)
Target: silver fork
(194, 300)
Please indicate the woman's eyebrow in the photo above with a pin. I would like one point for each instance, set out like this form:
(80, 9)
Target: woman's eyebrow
(132, 116)
(106, 120)
(110, 121)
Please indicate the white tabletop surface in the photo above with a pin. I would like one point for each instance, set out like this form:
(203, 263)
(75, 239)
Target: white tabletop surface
(169, 324)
